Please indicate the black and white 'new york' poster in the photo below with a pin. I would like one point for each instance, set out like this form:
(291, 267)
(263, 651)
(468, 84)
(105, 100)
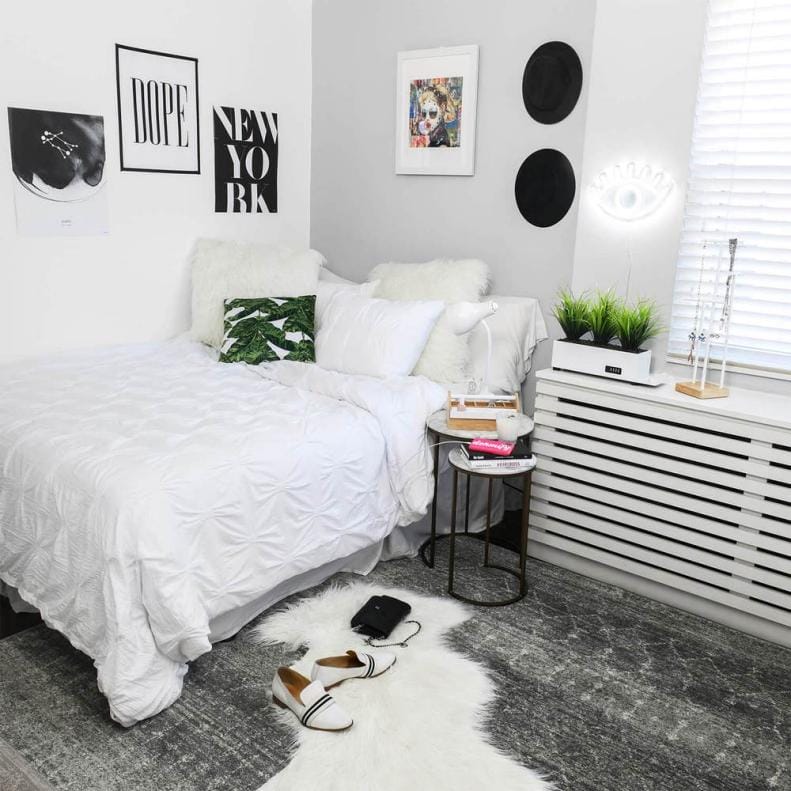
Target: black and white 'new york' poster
(245, 160)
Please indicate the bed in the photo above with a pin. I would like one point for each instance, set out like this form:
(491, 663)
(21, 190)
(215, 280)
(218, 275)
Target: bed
(153, 500)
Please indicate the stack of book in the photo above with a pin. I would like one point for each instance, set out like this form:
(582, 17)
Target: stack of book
(488, 454)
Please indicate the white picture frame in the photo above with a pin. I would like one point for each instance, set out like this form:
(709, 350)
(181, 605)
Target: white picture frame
(436, 88)
(158, 111)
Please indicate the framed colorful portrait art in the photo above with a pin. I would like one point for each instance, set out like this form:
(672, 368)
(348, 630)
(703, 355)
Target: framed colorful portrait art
(436, 95)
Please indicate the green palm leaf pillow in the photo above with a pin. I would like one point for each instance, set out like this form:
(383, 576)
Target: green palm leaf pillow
(267, 329)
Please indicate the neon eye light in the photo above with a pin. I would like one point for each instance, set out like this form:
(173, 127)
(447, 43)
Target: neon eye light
(631, 191)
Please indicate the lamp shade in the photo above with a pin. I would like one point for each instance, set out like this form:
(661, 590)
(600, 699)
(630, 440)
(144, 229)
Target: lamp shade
(463, 317)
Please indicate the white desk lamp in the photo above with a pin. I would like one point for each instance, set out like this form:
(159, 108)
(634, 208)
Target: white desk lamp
(463, 317)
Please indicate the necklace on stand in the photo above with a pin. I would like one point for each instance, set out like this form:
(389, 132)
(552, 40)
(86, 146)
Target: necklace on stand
(696, 335)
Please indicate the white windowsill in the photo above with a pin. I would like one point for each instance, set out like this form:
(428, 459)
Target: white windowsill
(714, 370)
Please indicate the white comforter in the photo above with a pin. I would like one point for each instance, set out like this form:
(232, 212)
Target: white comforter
(145, 490)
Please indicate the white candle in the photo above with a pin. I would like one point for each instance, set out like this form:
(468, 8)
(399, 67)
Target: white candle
(507, 428)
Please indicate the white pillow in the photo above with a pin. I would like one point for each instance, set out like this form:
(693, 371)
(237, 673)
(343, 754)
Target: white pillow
(516, 328)
(328, 276)
(326, 290)
(223, 270)
(374, 337)
(463, 280)
(445, 356)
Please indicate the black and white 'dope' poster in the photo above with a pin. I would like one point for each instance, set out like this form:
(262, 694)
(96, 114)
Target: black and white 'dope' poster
(245, 161)
(157, 111)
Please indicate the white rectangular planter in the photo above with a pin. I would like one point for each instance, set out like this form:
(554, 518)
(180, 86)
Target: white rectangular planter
(611, 362)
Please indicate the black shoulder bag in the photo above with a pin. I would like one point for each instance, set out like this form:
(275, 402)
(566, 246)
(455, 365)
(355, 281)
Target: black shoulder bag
(379, 616)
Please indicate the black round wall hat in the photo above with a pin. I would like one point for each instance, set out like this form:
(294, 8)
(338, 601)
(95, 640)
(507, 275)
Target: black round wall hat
(545, 187)
(552, 82)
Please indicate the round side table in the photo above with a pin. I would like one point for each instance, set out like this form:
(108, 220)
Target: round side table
(460, 464)
(439, 430)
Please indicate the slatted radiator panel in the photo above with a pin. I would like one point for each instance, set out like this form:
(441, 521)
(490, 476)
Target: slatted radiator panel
(692, 501)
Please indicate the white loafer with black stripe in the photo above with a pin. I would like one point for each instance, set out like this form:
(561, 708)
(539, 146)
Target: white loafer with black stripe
(309, 701)
(334, 670)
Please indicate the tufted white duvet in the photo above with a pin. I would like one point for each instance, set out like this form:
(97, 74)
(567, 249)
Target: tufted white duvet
(145, 490)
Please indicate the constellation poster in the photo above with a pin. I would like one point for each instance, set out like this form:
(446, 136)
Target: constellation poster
(58, 160)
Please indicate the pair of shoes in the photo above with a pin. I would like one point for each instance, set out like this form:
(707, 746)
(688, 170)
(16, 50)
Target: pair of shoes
(309, 700)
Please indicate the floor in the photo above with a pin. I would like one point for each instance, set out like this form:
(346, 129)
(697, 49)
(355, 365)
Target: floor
(601, 689)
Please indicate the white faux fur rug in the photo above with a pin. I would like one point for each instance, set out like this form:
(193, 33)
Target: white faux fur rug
(421, 725)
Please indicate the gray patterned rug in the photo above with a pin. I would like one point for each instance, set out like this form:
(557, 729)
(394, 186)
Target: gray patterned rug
(600, 689)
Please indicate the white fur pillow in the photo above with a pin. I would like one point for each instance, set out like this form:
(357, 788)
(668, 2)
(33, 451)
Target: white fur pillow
(225, 270)
(375, 337)
(445, 357)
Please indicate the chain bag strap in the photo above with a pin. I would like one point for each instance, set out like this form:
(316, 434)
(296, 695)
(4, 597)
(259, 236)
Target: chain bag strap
(402, 644)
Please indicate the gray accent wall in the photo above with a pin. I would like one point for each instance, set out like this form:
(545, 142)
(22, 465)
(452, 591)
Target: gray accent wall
(362, 213)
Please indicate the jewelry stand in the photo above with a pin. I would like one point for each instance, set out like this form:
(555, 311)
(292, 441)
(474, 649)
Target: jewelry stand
(707, 328)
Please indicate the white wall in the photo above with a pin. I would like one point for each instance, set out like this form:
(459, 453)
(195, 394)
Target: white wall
(363, 213)
(134, 284)
(643, 85)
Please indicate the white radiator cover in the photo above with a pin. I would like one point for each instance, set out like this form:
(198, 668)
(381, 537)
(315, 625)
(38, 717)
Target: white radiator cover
(683, 500)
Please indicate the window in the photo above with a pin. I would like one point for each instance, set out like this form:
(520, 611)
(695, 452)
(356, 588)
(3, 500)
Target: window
(740, 187)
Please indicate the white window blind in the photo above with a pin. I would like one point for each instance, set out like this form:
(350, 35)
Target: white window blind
(740, 187)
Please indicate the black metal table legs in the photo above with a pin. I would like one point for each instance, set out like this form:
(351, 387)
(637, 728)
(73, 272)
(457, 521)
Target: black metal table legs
(520, 572)
(432, 540)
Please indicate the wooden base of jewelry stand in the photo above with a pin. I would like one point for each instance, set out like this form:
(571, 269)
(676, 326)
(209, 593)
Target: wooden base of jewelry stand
(696, 391)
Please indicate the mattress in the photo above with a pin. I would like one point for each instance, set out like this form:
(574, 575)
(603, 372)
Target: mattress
(146, 491)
